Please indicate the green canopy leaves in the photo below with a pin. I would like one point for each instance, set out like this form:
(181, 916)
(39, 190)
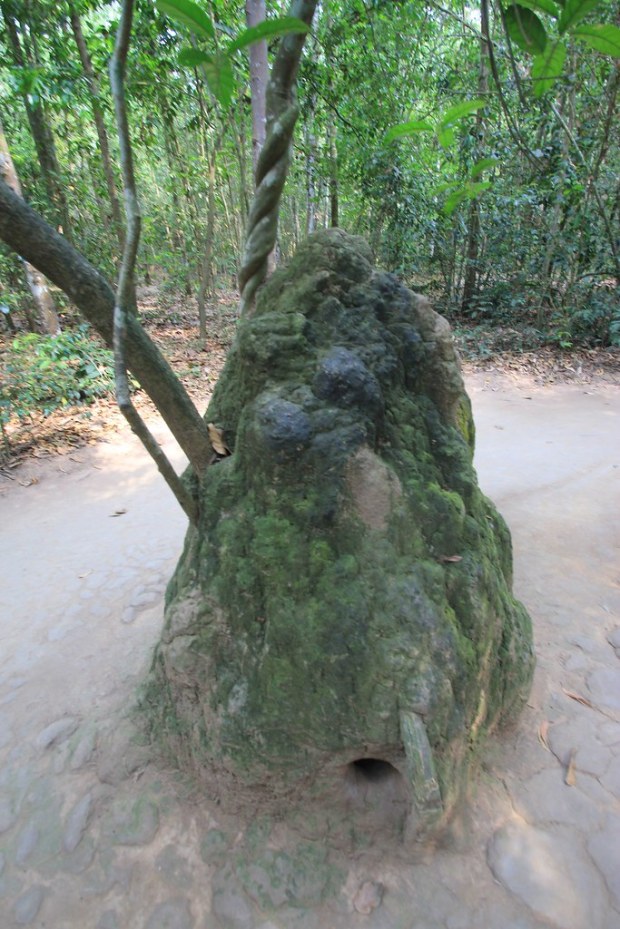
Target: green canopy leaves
(216, 65)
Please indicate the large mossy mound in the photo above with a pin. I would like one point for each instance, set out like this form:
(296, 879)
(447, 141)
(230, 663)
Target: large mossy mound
(343, 615)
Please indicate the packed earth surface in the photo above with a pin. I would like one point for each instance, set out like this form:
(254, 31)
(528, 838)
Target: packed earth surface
(96, 831)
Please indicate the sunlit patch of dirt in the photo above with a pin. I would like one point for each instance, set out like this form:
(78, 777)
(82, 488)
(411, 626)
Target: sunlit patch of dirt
(548, 365)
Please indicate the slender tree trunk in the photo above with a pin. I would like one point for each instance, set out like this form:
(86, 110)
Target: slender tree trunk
(232, 217)
(259, 75)
(244, 197)
(310, 145)
(472, 249)
(334, 219)
(296, 230)
(206, 271)
(102, 135)
(48, 318)
(554, 227)
(178, 235)
(179, 160)
(39, 127)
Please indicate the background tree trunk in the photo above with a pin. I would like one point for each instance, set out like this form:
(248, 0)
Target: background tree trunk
(472, 249)
(259, 75)
(47, 316)
(102, 135)
(39, 126)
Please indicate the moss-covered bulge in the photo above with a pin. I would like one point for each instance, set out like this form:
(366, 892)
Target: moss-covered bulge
(347, 595)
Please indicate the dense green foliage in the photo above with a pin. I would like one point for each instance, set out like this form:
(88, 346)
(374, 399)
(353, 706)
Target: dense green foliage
(42, 373)
(501, 200)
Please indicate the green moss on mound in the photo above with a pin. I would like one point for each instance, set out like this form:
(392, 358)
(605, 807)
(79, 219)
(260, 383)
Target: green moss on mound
(348, 591)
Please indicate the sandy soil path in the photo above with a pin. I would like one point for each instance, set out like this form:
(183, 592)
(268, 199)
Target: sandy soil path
(93, 835)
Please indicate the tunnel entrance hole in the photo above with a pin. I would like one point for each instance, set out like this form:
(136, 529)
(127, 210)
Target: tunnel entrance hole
(373, 770)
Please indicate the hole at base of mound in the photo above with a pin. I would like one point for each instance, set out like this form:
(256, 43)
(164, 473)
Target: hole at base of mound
(377, 798)
(373, 770)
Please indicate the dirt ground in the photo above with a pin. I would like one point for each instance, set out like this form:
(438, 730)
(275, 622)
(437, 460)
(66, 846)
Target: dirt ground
(94, 833)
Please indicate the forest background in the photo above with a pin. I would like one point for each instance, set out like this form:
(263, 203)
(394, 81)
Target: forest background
(472, 145)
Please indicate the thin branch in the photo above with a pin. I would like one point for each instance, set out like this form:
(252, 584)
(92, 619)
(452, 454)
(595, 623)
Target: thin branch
(125, 292)
(512, 59)
(594, 188)
(510, 123)
(459, 19)
(614, 84)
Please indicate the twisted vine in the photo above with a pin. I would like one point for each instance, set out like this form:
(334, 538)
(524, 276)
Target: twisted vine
(274, 159)
(262, 227)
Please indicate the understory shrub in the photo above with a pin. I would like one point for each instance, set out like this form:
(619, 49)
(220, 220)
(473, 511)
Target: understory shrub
(41, 373)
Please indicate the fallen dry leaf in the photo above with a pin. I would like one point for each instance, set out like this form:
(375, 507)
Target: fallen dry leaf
(569, 777)
(118, 513)
(217, 440)
(583, 700)
(450, 559)
(543, 730)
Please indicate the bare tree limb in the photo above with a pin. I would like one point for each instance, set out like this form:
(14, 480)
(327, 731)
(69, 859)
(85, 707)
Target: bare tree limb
(28, 234)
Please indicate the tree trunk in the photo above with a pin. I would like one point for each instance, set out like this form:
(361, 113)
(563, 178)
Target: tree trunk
(102, 135)
(472, 249)
(259, 75)
(334, 219)
(310, 145)
(178, 240)
(244, 194)
(39, 128)
(48, 318)
(206, 271)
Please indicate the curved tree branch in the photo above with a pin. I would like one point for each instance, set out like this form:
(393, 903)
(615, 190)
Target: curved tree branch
(125, 292)
(27, 233)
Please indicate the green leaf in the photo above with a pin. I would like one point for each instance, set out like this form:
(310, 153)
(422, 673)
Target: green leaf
(445, 135)
(267, 29)
(403, 129)
(220, 78)
(541, 6)
(573, 12)
(459, 110)
(483, 165)
(189, 14)
(547, 68)
(525, 29)
(192, 57)
(473, 190)
(602, 38)
(454, 200)
(467, 192)
(441, 188)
